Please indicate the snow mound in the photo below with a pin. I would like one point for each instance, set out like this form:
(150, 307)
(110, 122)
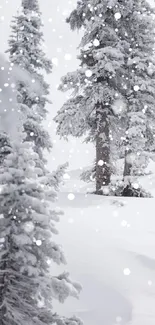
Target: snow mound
(109, 245)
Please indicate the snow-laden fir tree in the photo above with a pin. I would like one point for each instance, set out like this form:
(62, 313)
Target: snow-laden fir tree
(10, 113)
(116, 78)
(94, 85)
(25, 50)
(137, 22)
(27, 247)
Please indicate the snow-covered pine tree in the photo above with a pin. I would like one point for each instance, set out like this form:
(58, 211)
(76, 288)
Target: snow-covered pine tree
(25, 50)
(27, 248)
(95, 84)
(116, 77)
(137, 21)
(10, 114)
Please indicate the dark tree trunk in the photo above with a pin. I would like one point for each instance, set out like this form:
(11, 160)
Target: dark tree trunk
(128, 190)
(127, 164)
(103, 170)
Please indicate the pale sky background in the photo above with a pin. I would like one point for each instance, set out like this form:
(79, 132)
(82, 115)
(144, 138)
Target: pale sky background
(59, 40)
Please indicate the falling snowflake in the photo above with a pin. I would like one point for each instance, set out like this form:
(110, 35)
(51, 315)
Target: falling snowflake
(68, 56)
(38, 242)
(127, 271)
(96, 42)
(71, 196)
(135, 186)
(117, 15)
(136, 88)
(150, 283)
(100, 163)
(88, 73)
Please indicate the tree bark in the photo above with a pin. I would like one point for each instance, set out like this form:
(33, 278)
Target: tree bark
(127, 164)
(103, 170)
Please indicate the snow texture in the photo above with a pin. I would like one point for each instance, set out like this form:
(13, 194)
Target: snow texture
(114, 258)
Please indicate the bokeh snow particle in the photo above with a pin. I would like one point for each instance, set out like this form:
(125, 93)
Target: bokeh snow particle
(6, 85)
(127, 271)
(49, 262)
(38, 242)
(117, 15)
(135, 186)
(100, 163)
(68, 56)
(71, 196)
(88, 73)
(96, 42)
(136, 88)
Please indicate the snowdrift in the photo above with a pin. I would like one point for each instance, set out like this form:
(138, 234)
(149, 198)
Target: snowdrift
(110, 249)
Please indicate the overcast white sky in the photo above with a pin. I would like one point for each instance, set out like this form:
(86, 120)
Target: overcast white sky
(59, 40)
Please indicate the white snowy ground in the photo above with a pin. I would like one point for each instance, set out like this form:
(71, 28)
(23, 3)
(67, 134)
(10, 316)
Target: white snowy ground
(109, 244)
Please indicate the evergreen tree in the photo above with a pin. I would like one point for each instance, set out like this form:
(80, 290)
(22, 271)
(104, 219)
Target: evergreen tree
(10, 114)
(94, 85)
(139, 26)
(27, 227)
(116, 78)
(27, 249)
(25, 50)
